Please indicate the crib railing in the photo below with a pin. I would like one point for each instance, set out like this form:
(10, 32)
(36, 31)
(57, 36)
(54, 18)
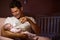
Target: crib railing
(49, 25)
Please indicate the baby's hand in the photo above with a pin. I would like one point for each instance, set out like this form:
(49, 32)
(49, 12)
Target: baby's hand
(8, 26)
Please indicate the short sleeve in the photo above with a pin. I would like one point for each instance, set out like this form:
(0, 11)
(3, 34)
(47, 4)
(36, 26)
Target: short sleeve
(32, 19)
(6, 20)
(12, 20)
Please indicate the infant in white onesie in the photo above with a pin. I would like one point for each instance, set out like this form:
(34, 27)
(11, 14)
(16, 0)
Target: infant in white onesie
(14, 25)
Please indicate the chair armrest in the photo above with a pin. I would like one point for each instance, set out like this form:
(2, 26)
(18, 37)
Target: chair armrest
(5, 38)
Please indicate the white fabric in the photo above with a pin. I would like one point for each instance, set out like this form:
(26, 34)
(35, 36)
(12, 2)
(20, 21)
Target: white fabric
(12, 20)
(15, 30)
(17, 25)
(32, 19)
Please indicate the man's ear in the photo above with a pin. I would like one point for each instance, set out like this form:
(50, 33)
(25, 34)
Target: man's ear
(21, 8)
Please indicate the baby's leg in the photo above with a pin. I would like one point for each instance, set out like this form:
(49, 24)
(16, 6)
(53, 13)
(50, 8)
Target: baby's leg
(30, 35)
(35, 37)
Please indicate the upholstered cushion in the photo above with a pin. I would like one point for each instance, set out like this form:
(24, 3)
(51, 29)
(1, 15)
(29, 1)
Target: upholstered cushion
(1, 23)
(5, 38)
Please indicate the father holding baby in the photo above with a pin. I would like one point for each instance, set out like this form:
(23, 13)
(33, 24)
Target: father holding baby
(17, 12)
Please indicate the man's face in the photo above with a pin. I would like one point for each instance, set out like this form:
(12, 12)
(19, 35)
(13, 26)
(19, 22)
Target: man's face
(16, 12)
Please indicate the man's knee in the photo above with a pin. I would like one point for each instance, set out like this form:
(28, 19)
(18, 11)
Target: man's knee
(44, 38)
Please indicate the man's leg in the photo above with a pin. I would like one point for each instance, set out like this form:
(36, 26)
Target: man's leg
(43, 38)
(32, 36)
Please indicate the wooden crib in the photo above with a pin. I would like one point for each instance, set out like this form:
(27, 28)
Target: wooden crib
(49, 26)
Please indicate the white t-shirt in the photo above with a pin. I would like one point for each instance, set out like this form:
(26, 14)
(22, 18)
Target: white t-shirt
(17, 25)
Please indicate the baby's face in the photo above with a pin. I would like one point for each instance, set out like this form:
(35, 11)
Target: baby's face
(8, 26)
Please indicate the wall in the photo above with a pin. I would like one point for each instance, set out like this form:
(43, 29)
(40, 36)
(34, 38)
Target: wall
(33, 8)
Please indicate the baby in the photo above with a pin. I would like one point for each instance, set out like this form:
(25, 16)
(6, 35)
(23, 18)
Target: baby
(16, 26)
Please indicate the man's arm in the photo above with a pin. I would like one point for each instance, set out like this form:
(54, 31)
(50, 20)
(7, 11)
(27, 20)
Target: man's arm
(34, 26)
(11, 35)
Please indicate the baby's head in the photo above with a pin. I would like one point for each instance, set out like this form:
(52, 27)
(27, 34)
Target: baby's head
(8, 26)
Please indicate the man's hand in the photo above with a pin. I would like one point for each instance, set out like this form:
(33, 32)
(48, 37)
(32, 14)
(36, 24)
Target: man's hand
(23, 19)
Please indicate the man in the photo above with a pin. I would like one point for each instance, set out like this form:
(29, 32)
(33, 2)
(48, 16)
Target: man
(17, 11)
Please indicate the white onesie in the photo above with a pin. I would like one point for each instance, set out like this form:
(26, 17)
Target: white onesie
(17, 25)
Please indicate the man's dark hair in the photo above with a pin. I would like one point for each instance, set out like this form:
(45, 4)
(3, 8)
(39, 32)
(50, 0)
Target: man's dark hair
(15, 3)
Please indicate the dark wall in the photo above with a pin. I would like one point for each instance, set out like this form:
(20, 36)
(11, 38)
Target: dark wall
(4, 8)
(33, 8)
